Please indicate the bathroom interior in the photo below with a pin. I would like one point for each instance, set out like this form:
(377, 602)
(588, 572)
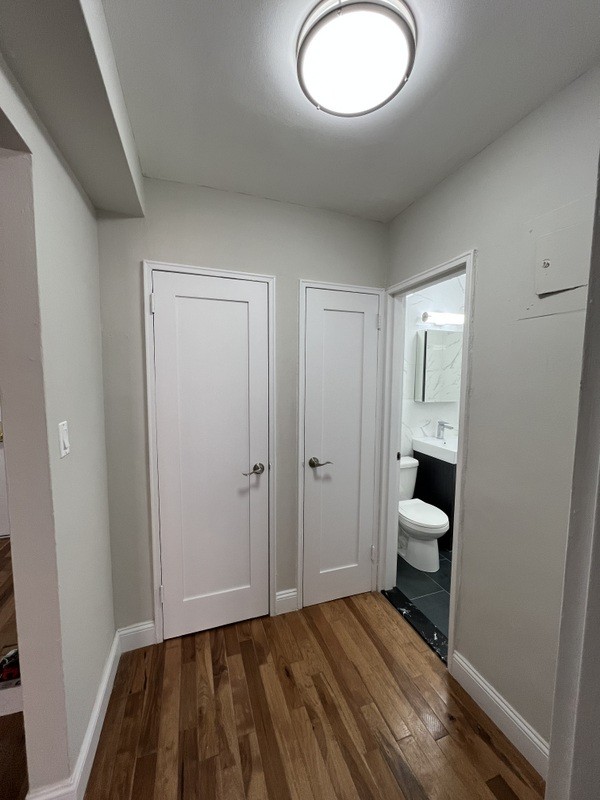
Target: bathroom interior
(428, 456)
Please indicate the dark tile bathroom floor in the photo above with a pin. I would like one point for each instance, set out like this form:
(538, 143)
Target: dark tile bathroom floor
(423, 598)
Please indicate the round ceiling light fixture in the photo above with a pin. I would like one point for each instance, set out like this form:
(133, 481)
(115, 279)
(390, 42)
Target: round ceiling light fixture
(354, 57)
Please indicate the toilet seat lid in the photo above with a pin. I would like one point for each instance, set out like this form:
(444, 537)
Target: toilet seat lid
(423, 514)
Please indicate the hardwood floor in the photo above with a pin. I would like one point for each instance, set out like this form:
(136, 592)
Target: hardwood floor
(13, 765)
(341, 701)
(8, 621)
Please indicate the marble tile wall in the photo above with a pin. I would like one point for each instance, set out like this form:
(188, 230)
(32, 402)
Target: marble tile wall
(443, 366)
(420, 419)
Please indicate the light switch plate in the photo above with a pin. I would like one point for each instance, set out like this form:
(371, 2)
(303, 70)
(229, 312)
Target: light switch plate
(63, 439)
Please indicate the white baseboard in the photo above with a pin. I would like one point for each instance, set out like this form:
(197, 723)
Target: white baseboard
(286, 601)
(73, 788)
(11, 700)
(136, 636)
(527, 740)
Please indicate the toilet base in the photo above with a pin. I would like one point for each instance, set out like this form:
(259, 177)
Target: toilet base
(421, 554)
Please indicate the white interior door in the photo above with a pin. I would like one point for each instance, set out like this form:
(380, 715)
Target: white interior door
(341, 348)
(212, 406)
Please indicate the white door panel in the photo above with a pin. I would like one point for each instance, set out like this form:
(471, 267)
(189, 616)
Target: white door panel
(341, 347)
(211, 362)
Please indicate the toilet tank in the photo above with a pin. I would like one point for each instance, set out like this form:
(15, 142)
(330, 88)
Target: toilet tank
(408, 477)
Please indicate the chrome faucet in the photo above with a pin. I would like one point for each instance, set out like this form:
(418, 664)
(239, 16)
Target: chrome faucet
(441, 429)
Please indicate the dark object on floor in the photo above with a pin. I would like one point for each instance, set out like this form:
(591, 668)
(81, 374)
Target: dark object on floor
(434, 637)
(10, 671)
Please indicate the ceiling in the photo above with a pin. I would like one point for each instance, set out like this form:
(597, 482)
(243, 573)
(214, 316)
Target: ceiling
(62, 58)
(212, 94)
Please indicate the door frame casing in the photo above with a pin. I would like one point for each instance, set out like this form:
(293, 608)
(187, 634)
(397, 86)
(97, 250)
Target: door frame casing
(303, 285)
(148, 268)
(391, 432)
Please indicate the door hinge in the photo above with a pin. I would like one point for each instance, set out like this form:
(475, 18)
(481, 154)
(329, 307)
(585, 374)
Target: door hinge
(152, 303)
(161, 593)
(373, 557)
(379, 322)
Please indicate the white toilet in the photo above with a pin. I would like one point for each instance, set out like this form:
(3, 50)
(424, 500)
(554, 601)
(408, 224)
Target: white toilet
(420, 524)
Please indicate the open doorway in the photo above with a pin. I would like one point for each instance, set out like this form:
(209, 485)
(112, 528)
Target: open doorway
(10, 676)
(427, 432)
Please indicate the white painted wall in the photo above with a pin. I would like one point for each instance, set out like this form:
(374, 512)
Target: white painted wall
(525, 386)
(420, 419)
(67, 325)
(205, 227)
(33, 546)
(67, 248)
(574, 771)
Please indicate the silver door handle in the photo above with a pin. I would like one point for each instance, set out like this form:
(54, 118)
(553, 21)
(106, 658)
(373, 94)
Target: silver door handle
(314, 462)
(257, 469)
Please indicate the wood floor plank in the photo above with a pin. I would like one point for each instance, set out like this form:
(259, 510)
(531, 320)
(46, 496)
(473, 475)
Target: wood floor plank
(337, 658)
(393, 706)
(148, 741)
(500, 789)
(318, 774)
(244, 720)
(464, 764)
(466, 739)
(167, 763)
(274, 772)
(208, 739)
(209, 779)
(282, 657)
(407, 783)
(403, 681)
(100, 782)
(125, 761)
(460, 703)
(293, 762)
(342, 673)
(359, 770)
(253, 776)
(188, 706)
(190, 765)
(144, 777)
(232, 643)
(334, 702)
(323, 732)
(261, 643)
(229, 753)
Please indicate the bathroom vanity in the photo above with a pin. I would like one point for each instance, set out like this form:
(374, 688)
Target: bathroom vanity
(436, 477)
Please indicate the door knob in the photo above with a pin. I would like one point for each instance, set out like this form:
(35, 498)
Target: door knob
(257, 469)
(314, 462)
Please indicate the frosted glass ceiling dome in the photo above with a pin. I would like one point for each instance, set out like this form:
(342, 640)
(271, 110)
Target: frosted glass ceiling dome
(354, 57)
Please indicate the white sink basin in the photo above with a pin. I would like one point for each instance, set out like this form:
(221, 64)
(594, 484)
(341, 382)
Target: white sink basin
(444, 449)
